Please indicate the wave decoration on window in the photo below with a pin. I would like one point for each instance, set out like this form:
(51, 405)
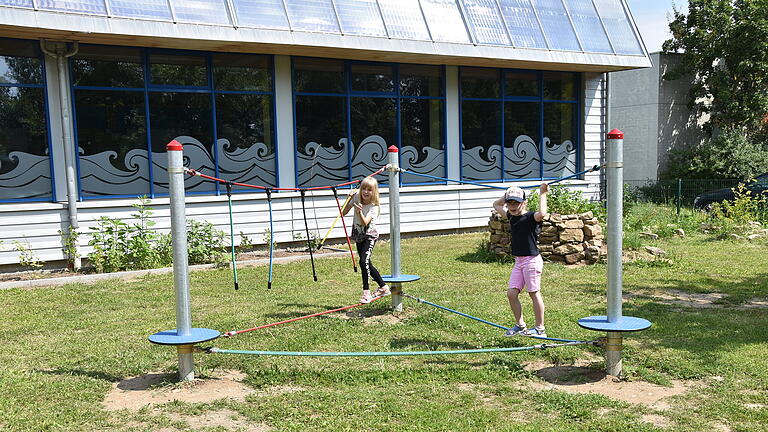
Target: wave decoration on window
(100, 176)
(30, 178)
(327, 165)
(521, 160)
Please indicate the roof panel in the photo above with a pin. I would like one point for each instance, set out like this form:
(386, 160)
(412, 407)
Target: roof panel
(261, 13)
(312, 15)
(588, 26)
(201, 11)
(86, 6)
(522, 24)
(485, 22)
(17, 3)
(153, 9)
(404, 20)
(445, 21)
(618, 26)
(557, 27)
(361, 17)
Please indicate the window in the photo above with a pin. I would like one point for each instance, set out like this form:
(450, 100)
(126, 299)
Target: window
(348, 113)
(129, 103)
(25, 165)
(518, 124)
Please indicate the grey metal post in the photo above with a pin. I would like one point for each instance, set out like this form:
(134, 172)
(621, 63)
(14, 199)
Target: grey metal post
(394, 226)
(615, 184)
(180, 267)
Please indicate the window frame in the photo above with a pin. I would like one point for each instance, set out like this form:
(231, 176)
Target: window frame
(502, 98)
(149, 88)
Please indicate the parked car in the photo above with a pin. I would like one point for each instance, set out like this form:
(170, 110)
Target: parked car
(756, 187)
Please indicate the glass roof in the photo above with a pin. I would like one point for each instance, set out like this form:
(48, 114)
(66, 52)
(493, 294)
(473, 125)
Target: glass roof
(588, 26)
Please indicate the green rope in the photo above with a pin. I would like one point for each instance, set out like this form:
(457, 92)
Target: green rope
(232, 234)
(376, 353)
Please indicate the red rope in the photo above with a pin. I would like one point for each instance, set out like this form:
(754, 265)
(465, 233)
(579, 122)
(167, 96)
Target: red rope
(346, 235)
(236, 332)
(199, 174)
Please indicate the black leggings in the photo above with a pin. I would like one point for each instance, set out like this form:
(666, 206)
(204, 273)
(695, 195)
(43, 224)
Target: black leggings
(367, 270)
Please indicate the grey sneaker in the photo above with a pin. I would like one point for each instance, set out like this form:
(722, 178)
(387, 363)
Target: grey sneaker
(516, 330)
(536, 331)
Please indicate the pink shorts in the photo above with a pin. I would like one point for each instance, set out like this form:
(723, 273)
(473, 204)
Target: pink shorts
(527, 273)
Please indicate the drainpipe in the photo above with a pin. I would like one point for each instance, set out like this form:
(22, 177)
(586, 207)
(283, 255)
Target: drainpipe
(61, 54)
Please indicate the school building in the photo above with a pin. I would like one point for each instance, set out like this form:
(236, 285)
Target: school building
(295, 93)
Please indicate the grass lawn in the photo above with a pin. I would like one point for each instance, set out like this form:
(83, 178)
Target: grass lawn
(65, 347)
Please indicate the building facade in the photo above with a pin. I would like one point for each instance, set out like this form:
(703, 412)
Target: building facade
(294, 94)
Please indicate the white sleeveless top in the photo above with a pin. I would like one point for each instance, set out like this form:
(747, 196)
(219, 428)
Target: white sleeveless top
(369, 210)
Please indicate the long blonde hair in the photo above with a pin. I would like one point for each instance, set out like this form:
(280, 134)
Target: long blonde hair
(373, 184)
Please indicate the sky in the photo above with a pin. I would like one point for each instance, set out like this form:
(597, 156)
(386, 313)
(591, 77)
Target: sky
(652, 18)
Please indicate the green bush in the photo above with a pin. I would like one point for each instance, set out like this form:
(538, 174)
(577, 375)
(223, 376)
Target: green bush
(729, 155)
(733, 217)
(561, 199)
(119, 246)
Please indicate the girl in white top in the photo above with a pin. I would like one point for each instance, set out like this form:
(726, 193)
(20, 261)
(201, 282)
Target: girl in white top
(364, 233)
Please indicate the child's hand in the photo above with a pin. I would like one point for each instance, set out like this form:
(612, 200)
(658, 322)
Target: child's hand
(543, 188)
(359, 207)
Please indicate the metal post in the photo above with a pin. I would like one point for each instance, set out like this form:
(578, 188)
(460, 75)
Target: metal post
(394, 227)
(679, 195)
(180, 273)
(615, 182)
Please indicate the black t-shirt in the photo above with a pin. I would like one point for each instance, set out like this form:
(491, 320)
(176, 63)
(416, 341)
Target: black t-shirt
(525, 233)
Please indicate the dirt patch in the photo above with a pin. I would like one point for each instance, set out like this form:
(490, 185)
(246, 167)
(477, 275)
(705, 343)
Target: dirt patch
(226, 419)
(585, 380)
(701, 300)
(155, 388)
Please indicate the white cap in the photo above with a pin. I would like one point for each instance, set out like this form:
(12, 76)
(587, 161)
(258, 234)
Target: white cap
(514, 193)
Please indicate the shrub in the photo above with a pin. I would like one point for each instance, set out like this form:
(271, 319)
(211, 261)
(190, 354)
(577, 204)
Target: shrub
(733, 217)
(730, 154)
(563, 200)
(204, 243)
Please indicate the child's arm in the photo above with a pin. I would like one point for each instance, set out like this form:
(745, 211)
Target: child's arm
(348, 205)
(498, 205)
(364, 218)
(542, 213)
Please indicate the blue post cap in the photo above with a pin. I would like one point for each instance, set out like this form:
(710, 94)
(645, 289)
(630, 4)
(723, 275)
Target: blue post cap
(623, 324)
(170, 337)
(401, 278)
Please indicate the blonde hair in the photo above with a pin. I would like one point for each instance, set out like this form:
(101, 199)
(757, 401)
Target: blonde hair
(373, 184)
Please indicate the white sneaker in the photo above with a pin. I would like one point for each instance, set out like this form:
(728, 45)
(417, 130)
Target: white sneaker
(383, 291)
(366, 297)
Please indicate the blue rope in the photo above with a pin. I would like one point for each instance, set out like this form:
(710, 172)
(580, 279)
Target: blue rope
(572, 341)
(594, 168)
(376, 353)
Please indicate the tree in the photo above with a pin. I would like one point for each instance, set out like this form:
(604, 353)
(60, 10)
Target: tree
(723, 44)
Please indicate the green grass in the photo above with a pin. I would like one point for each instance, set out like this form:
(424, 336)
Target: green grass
(65, 346)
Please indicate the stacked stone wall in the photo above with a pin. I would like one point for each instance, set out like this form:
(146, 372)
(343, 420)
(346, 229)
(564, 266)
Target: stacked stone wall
(569, 239)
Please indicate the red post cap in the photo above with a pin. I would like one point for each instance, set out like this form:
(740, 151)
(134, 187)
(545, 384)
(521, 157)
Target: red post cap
(615, 134)
(174, 146)
(392, 149)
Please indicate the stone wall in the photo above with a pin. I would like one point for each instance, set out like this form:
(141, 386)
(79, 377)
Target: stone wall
(568, 239)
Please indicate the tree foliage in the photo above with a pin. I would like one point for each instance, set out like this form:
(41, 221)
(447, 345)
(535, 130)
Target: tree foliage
(723, 45)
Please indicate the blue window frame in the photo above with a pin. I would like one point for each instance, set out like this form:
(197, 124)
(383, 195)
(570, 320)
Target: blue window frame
(130, 102)
(347, 113)
(519, 124)
(26, 168)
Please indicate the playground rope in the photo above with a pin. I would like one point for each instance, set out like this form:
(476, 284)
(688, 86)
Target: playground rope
(196, 173)
(214, 350)
(569, 341)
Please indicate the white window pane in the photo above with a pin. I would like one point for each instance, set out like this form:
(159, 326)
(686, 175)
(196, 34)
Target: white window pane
(618, 26)
(261, 14)
(201, 11)
(86, 6)
(522, 24)
(588, 26)
(312, 15)
(445, 21)
(404, 19)
(360, 17)
(556, 25)
(157, 9)
(485, 22)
